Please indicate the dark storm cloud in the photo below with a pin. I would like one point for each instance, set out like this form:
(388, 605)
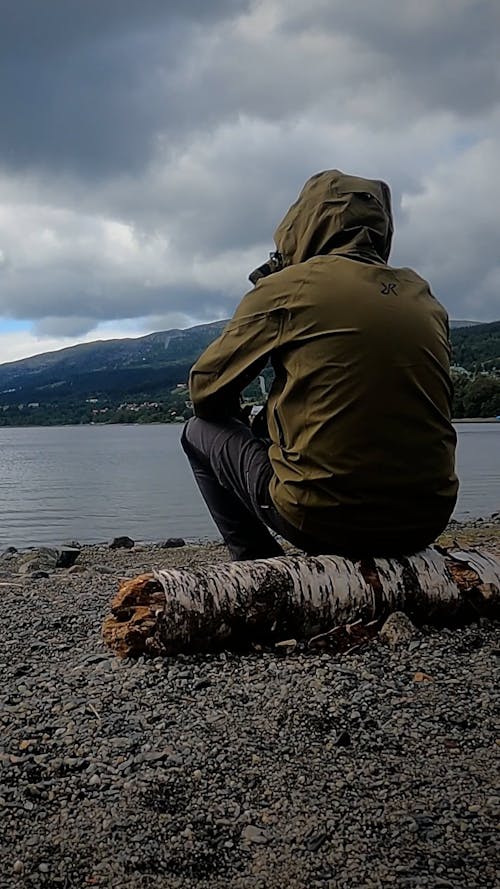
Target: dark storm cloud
(96, 87)
(84, 83)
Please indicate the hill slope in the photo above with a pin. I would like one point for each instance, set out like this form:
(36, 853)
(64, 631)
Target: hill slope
(477, 347)
(124, 366)
(454, 324)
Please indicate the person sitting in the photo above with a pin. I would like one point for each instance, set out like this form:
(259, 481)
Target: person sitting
(359, 452)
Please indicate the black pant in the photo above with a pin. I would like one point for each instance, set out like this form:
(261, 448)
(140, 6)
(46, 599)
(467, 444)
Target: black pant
(232, 469)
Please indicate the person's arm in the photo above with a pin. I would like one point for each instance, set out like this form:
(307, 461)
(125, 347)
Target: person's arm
(236, 357)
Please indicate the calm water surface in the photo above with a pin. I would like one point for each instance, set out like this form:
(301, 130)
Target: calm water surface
(92, 483)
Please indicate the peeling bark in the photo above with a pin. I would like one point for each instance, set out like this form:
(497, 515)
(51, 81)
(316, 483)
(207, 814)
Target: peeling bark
(236, 603)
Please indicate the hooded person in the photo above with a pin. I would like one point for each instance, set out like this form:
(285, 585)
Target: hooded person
(361, 449)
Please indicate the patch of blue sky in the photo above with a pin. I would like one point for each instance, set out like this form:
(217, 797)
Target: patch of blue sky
(13, 325)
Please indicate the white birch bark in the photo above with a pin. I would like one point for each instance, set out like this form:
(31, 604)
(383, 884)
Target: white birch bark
(198, 609)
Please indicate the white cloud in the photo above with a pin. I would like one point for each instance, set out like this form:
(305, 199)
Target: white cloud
(451, 229)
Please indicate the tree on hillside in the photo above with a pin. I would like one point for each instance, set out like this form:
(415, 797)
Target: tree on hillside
(482, 398)
(477, 396)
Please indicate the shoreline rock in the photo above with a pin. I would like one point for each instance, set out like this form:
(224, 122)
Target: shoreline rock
(471, 527)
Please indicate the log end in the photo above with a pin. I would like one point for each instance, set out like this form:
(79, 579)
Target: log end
(130, 628)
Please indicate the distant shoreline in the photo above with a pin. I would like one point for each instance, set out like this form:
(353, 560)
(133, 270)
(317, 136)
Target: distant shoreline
(455, 422)
(477, 420)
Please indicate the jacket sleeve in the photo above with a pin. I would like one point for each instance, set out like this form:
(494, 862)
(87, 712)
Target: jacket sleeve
(236, 357)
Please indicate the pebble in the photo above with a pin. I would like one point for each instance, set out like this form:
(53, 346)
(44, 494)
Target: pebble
(398, 629)
(253, 834)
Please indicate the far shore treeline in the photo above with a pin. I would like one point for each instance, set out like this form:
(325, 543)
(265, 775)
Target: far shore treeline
(144, 380)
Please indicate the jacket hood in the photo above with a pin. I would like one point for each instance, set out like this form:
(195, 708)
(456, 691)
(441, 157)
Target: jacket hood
(337, 213)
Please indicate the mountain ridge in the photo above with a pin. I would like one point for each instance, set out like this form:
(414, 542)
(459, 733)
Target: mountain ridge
(95, 345)
(153, 365)
(154, 339)
(458, 323)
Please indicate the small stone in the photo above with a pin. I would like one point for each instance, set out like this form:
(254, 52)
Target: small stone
(95, 658)
(202, 683)
(33, 569)
(122, 543)
(153, 755)
(253, 834)
(171, 542)
(422, 677)
(103, 569)
(315, 841)
(343, 739)
(18, 867)
(43, 868)
(398, 630)
(197, 775)
(42, 559)
(127, 763)
(94, 780)
(67, 556)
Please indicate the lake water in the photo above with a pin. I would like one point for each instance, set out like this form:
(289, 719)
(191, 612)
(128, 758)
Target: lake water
(92, 483)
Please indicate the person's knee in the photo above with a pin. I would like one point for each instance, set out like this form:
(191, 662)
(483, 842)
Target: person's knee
(197, 436)
(187, 434)
(199, 432)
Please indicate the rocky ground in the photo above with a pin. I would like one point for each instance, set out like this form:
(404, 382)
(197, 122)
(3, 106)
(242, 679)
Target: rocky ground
(266, 770)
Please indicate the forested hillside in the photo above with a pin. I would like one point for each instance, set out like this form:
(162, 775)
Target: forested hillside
(477, 348)
(144, 380)
(476, 374)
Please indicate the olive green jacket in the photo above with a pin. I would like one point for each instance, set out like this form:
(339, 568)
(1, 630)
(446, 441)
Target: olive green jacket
(359, 413)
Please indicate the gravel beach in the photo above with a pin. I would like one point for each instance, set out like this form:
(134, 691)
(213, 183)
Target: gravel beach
(372, 769)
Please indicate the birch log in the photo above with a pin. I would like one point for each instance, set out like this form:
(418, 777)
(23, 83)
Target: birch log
(235, 603)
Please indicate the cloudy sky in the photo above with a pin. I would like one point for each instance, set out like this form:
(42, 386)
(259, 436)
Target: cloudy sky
(148, 148)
